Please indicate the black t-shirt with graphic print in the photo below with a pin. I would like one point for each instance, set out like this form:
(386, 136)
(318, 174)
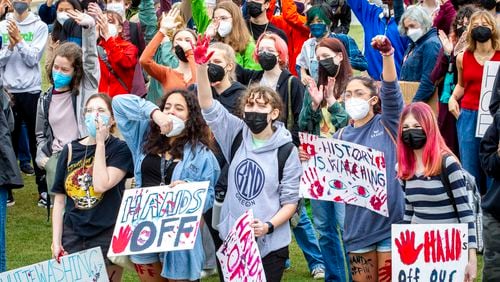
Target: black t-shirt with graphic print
(88, 213)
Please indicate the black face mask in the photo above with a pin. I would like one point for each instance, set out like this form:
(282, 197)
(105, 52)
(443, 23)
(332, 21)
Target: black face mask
(329, 66)
(216, 73)
(267, 60)
(481, 34)
(179, 52)
(488, 4)
(254, 9)
(257, 122)
(414, 138)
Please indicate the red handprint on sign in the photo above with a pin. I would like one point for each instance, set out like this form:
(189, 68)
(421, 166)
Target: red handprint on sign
(377, 201)
(120, 243)
(406, 248)
(306, 143)
(317, 187)
(200, 50)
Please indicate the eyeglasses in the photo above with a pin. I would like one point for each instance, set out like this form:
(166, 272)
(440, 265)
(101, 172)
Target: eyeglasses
(92, 110)
(223, 18)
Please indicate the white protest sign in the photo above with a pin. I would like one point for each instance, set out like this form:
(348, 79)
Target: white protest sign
(484, 118)
(87, 265)
(344, 172)
(239, 255)
(158, 219)
(431, 252)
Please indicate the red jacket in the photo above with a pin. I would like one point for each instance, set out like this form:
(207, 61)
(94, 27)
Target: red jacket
(294, 25)
(122, 56)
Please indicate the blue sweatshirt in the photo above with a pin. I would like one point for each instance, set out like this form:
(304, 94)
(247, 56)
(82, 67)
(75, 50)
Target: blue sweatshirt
(362, 226)
(371, 18)
(253, 181)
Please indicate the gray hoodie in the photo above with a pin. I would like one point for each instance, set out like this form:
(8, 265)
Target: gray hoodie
(19, 67)
(253, 181)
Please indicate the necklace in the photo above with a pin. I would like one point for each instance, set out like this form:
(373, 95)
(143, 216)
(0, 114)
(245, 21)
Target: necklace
(483, 58)
(251, 29)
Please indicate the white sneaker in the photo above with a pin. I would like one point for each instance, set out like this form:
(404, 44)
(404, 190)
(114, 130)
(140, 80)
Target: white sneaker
(318, 273)
(208, 272)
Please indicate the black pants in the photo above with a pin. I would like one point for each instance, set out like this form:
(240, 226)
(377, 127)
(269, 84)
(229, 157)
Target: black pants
(25, 107)
(274, 264)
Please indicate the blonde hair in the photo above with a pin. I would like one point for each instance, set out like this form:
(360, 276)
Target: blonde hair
(229, 56)
(484, 15)
(239, 36)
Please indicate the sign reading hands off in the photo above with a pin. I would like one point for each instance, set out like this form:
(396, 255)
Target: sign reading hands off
(344, 172)
(429, 252)
(83, 266)
(159, 219)
(239, 255)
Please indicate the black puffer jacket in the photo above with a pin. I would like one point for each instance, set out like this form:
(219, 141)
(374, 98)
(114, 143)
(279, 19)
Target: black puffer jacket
(10, 176)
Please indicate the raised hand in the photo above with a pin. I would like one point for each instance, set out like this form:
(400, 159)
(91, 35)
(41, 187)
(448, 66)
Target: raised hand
(317, 94)
(94, 10)
(102, 129)
(168, 21)
(329, 91)
(406, 248)
(446, 42)
(81, 19)
(382, 44)
(200, 50)
(120, 243)
(102, 25)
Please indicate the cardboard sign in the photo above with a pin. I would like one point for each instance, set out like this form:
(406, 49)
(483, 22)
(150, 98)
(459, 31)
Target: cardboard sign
(429, 252)
(344, 172)
(484, 118)
(158, 219)
(239, 255)
(410, 88)
(83, 266)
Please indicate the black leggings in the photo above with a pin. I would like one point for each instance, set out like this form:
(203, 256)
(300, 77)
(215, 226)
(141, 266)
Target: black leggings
(274, 264)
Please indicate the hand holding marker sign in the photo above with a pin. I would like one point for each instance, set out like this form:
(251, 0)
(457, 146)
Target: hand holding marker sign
(344, 172)
(159, 219)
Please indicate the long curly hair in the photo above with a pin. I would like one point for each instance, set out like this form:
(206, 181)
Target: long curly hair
(196, 130)
(74, 54)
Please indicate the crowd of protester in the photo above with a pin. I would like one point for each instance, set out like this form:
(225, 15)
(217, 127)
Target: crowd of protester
(169, 92)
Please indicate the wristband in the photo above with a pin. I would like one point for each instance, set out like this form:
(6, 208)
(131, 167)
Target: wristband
(387, 54)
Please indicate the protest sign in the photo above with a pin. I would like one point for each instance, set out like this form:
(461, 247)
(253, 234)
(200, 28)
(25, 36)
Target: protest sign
(239, 255)
(344, 172)
(429, 252)
(484, 118)
(158, 219)
(87, 265)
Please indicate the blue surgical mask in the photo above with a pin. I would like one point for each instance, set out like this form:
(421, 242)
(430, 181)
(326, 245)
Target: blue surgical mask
(20, 7)
(317, 29)
(60, 79)
(91, 123)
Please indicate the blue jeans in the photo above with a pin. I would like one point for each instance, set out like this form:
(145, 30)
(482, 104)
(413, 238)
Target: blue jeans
(3, 219)
(308, 242)
(469, 148)
(329, 221)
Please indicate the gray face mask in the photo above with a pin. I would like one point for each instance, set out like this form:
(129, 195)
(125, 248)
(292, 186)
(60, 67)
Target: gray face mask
(20, 7)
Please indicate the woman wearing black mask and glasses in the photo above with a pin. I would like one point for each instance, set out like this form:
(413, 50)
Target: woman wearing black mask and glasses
(271, 52)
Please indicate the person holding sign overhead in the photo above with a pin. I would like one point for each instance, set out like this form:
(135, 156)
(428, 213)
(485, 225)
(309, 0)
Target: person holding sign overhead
(427, 167)
(322, 114)
(483, 45)
(254, 180)
(170, 144)
(88, 186)
(368, 234)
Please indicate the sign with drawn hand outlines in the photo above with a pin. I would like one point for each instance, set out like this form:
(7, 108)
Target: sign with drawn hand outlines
(344, 172)
(159, 219)
(87, 265)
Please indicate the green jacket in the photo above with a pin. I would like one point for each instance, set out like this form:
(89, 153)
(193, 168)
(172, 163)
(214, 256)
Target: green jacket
(202, 20)
(309, 120)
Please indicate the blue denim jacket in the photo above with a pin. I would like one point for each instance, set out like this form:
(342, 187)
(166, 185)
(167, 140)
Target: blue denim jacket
(420, 59)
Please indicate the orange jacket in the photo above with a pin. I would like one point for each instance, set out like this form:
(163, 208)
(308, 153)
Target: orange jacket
(294, 25)
(122, 56)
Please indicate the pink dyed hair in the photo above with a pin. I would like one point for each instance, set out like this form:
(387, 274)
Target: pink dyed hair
(279, 44)
(433, 149)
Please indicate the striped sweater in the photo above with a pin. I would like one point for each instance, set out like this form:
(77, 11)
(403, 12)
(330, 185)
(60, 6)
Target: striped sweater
(427, 201)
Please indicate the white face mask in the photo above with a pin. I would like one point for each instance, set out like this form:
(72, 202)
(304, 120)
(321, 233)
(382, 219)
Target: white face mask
(113, 30)
(224, 28)
(117, 7)
(415, 33)
(357, 108)
(62, 17)
(178, 126)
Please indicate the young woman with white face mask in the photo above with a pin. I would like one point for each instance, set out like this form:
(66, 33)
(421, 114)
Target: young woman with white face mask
(172, 135)
(367, 235)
